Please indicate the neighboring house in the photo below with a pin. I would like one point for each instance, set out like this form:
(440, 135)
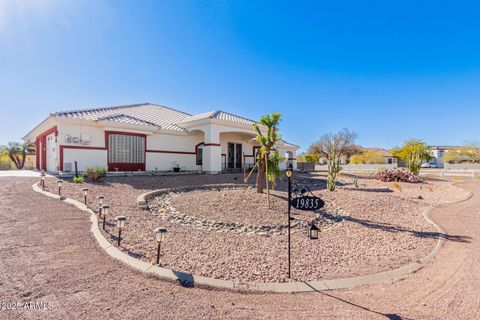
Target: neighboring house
(149, 137)
(388, 158)
(438, 154)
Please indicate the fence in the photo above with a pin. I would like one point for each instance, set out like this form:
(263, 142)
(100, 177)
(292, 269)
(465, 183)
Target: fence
(359, 167)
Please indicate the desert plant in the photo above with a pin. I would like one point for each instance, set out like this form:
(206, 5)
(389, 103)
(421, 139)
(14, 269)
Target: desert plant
(17, 152)
(78, 179)
(273, 167)
(267, 141)
(95, 173)
(466, 154)
(368, 157)
(333, 147)
(413, 151)
(397, 175)
(397, 186)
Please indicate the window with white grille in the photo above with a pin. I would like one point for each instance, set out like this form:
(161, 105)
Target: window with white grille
(126, 149)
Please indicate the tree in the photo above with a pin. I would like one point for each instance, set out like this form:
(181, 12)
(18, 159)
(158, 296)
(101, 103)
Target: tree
(267, 141)
(467, 154)
(333, 147)
(368, 157)
(413, 152)
(17, 152)
(273, 168)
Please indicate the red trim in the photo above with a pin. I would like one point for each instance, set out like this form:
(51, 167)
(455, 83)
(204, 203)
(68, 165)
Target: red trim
(212, 144)
(41, 144)
(292, 159)
(170, 151)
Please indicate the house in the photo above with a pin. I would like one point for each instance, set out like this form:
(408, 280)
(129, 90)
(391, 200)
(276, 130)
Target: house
(437, 154)
(388, 158)
(150, 137)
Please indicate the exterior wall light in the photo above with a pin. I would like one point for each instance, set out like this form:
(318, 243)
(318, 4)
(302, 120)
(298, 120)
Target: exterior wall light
(105, 209)
(160, 235)
(313, 231)
(120, 225)
(85, 193)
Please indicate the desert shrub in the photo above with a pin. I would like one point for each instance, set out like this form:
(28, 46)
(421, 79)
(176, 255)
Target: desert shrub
(78, 179)
(95, 173)
(397, 186)
(397, 175)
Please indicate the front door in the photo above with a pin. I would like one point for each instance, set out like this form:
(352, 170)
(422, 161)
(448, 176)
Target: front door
(234, 157)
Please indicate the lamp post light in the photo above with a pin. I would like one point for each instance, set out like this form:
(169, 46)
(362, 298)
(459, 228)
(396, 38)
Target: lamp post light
(105, 209)
(120, 225)
(313, 231)
(289, 173)
(160, 234)
(85, 193)
(100, 200)
(59, 184)
(42, 180)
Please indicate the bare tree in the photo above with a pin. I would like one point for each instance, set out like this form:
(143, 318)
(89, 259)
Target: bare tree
(334, 146)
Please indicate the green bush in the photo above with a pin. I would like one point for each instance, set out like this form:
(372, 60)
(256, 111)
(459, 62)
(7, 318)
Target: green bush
(78, 179)
(95, 173)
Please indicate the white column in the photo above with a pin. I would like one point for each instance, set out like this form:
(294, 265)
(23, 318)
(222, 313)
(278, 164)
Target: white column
(212, 151)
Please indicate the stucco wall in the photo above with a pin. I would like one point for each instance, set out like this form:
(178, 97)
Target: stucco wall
(465, 166)
(85, 158)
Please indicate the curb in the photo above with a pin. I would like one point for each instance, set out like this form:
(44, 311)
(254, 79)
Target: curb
(287, 287)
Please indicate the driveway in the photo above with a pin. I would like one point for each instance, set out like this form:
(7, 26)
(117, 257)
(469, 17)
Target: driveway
(48, 255)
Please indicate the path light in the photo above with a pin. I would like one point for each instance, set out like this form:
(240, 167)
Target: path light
(85, 192)
(59, 184)
(100, 200)
(42, 180)
(160, 234)
(120, 225)
(313, 231)
(105, 209)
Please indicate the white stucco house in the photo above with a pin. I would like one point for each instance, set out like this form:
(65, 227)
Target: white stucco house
(148, 137)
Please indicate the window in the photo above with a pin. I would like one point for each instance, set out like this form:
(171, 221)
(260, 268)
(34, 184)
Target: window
(126, 149)
(199, 154)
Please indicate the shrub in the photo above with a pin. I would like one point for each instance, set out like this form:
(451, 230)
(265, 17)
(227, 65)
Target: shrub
(397, 175)
(367, 158)
(78, 179)
(95, 173)
(397, 186)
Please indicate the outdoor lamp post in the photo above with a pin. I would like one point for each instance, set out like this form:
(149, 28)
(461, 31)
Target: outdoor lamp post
(160, 234)
(289, 173)
(59, 184)
(100, 200)
(313, 231)
(42, 180)
(120, 225)
(85, 192)
(105, 209)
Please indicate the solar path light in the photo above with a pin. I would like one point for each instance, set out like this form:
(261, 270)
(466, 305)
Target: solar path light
(85, 193)
(160, 235)
(120, 225)
(59, 184)
(105, 209)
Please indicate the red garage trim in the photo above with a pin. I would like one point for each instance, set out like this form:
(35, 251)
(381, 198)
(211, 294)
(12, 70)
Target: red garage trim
(42, 153)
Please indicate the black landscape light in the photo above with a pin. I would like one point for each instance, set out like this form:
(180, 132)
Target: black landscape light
(160, 235)
(85, 193)
(120, 225)
(313, 231)
(100, 200)
(59, 184)
(42, 180)
(105, 209)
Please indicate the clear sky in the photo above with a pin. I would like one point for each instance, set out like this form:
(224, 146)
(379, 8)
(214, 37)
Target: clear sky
(389, 70)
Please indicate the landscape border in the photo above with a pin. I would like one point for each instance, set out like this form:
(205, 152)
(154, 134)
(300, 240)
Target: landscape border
(285, 287)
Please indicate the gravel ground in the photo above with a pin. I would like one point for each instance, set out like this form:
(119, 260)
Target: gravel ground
(47, 254)
(381, 231)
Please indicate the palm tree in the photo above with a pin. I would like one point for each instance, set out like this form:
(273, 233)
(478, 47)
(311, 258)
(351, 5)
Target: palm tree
(17, 152)
(267, 143)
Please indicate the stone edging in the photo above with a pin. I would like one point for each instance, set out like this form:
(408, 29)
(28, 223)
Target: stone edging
(305, 286)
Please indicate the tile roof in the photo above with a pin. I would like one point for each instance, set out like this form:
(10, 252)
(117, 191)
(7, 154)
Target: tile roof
(143, 114)
(382, 151)
(219, 115)
(149, 115)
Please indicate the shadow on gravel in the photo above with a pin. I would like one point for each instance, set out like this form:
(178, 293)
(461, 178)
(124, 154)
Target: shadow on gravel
(391, 316)
(392, 228)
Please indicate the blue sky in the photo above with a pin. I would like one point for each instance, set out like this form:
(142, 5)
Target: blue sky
(389, 70)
